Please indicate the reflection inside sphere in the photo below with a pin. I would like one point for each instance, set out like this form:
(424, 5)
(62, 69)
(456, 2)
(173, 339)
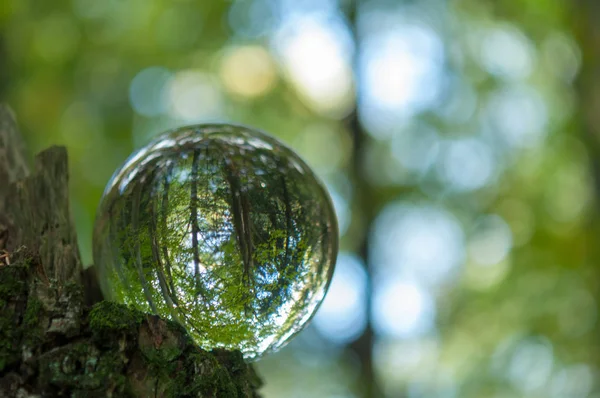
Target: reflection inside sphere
(222, 229)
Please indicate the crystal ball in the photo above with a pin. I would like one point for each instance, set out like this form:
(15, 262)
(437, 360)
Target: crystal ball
(223, 229)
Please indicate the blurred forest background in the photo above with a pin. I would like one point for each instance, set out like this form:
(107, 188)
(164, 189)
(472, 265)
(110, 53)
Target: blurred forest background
(459, 141)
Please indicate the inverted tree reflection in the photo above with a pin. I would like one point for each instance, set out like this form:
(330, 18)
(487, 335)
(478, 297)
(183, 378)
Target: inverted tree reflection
(229, 233)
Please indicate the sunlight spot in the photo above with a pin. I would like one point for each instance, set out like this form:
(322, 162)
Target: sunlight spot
(316, 53)
(147, 92)
(401, 73)
(491, 241)
(506, 52)
(416, 147)
(252, 19)
(531, 364)
(342, 315)
(248, 71)
(562, 56)
(574, 381)
(422, 243)
(466, 164)
(519, 114)
(194, 96)
(402, 309)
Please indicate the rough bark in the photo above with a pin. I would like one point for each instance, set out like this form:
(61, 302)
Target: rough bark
(53, 342)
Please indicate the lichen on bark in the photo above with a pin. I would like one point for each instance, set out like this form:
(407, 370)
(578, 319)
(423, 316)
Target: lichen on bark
(52, 341)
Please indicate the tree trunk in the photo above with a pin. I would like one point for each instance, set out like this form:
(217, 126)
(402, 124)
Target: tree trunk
(57, 338)
(363, 198)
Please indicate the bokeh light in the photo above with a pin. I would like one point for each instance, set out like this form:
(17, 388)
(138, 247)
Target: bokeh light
(402, 309)
(530, 365)
(491, 241)
(506, 52)
(316, 52)
(466, 164)
(194, 96)
(248, 71)
(342, 317)
(401, 73)
(147, 92)
(423, 243)
(416, 147)
(519, 115)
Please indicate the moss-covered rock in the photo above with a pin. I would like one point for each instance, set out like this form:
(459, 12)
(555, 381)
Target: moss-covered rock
(117, 352)
(165, 362)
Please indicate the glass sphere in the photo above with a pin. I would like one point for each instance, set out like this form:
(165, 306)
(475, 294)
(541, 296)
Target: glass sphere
(223, 229)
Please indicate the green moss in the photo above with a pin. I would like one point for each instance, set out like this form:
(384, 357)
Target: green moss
(170, 375)
(8, 352)
(13, 281)
(74, 291)
(195, 372)
(218, 384)
(177, 328)
(13, 291)
(162, 355)
(109, 372)
(32, 331)
(81, 367)
(170, 346)
(206, 377)
(177, 368)
(168, 379)
(241, 374)
(32, 312)
(106, 317)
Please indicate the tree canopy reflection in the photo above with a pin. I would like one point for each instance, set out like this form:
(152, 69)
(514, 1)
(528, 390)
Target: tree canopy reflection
(223, 229)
